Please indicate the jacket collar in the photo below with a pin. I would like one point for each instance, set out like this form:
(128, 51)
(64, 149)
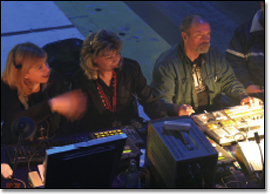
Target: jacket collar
(255, 25)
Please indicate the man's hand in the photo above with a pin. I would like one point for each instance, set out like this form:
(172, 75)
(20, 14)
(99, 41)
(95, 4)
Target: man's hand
(185, 110)
(254, 89)
(251, 101)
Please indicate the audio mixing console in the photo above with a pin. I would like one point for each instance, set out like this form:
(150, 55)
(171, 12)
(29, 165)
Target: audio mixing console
(232, 124)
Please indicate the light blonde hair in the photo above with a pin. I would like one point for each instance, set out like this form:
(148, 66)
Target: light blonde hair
(96, 45)
(25, 55)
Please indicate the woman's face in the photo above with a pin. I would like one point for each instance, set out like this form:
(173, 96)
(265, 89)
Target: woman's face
(108, 62)
(39, 73)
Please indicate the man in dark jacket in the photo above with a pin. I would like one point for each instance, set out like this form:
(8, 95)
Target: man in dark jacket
(192, 74)
(246, 54)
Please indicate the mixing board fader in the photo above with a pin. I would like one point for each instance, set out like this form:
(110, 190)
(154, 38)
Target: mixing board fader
(231, 124)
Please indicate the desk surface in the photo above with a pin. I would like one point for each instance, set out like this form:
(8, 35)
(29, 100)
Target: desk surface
(245, 180)
(249, 181)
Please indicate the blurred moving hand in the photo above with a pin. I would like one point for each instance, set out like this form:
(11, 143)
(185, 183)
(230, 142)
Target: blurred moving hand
(71, 104)
(185, 110)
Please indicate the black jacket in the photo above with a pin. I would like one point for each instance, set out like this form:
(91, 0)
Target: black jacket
(130, 84)
(39, 110)
(246, 52)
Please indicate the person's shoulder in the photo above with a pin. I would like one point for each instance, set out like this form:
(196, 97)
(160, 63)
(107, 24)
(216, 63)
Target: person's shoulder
(3, 83)
(243, 29)
(214, 49)
(5, 86)
(6, 91)
(169, 56)
(128, 61)
(79, 73)
(129, 64)
(214, 53)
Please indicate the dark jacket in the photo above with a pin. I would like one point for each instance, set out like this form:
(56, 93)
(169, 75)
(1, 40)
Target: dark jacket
(13, 106)
(130, 83)
(173, 83)
(246, 52)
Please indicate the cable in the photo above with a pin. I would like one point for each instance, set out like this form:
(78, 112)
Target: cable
(257, 138)
(238, 134)
(232, 181)
(50, 138)
(30, 159)
(19, 180)
(230, 169)
(118, 176)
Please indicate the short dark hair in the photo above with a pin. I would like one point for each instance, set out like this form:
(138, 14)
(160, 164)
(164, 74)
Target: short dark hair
(187, 21)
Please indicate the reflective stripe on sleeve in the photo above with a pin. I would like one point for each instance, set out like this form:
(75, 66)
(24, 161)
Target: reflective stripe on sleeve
(255, 54)
(235, 53)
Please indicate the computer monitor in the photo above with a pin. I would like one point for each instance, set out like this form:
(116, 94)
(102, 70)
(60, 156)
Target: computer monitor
(90, 164)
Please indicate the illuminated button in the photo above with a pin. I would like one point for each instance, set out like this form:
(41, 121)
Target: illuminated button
(221, 157)
(119, 130)
(101, 133)
(127, 151)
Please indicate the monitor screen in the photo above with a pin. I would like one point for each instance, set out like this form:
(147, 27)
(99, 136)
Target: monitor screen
(90, 164)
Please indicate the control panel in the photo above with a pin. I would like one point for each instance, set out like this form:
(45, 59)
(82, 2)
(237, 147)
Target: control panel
(232, 124)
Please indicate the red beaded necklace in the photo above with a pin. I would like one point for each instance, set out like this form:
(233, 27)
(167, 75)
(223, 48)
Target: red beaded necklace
(105, 101)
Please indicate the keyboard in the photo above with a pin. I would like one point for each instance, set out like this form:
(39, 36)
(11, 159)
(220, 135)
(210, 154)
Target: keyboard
(36, 151)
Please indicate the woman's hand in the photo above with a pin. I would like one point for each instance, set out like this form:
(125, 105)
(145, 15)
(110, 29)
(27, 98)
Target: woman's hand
(71, 104)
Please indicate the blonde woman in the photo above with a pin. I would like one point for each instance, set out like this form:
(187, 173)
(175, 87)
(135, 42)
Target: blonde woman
(29, 88)
(112, 83)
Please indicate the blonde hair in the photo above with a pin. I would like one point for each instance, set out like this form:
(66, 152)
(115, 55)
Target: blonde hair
(96, 45)
(20, 59)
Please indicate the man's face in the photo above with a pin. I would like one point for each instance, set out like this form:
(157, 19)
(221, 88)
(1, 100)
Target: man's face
(197, 40)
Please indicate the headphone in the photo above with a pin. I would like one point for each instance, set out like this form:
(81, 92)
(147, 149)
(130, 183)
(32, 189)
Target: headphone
(19, 66)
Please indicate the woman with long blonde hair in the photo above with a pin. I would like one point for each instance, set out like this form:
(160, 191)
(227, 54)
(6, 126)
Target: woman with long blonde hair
(29, 88)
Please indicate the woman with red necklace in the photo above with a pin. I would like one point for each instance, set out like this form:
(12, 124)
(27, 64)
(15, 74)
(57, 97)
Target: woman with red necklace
(112, 84)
